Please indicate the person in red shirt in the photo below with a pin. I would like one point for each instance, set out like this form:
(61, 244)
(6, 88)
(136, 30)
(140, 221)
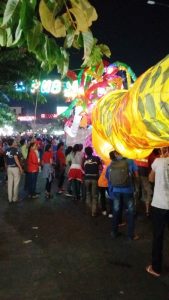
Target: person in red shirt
(61, 162)
(47, 163)
(32, 169)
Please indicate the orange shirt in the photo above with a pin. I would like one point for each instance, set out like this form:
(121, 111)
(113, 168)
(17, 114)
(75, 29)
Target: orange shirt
(102, 181)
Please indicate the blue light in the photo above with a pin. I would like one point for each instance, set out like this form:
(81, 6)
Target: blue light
(20, 87)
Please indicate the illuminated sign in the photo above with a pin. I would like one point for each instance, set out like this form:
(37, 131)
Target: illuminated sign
(46, 86)
(48, 116)
(69, 89)
(19, 87)
(42, 116)
(26, 118)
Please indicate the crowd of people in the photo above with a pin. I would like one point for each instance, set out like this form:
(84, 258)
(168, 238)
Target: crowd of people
(107, 189)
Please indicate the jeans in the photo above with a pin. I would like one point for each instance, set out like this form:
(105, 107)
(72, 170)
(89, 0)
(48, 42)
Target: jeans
(69, 186)
(32, 180)
(160, 218)
(48, 185)
(92, 194)
(26, 182)
(128, 203)
(102, 192)
(61, 178)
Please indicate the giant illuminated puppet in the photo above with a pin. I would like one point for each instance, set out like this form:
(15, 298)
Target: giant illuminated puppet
(134, 121)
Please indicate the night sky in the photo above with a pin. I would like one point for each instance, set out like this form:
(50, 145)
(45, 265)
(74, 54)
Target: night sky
(137, 33)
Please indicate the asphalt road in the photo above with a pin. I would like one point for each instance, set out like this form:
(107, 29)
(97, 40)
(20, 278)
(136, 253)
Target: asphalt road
(54, 250)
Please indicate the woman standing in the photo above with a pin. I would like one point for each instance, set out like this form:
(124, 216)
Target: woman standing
(47, 162)
(32, 169)
(75, 174)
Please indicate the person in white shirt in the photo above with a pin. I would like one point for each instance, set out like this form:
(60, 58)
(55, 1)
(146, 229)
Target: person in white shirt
(75, 174)
(160, 209)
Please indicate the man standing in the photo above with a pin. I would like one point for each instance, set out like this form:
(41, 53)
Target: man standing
(14, 170)
(160, 209)
(92, 165)
(120, 176)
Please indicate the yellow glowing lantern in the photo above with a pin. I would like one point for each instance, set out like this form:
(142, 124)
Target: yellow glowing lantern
(135, 121)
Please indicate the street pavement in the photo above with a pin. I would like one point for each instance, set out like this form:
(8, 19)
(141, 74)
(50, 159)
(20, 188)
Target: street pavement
(54, 250)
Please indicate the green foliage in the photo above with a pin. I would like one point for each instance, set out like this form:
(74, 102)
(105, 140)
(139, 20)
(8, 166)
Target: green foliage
(17, 65)
(7, 117)
(37, 34)
(42, 26)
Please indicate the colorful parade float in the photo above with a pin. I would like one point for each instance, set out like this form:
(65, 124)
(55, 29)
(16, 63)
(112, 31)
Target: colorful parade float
(114, 110)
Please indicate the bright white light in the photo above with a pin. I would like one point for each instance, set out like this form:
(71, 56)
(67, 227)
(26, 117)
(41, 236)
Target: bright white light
(61, 109)
(6, 130)
(157, 3)
(71, 89)
(58, 132)
(46, 86)
(44, 130)
(81, 91)
(35, 86)
(26, 118)
(56, 87)
(151, 2)
(101, 91)
(110, 69)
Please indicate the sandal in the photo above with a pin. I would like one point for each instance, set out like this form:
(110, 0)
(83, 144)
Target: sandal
(150, 270)
(134, 238)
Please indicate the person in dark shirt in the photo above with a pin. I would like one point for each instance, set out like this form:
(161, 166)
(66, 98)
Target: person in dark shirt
(123, 193)
(92, 164)
(14, 170)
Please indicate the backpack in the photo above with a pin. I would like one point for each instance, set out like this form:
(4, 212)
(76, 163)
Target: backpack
(119, 175)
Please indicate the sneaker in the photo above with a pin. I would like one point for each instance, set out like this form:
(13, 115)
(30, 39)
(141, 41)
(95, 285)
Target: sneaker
(110, 216)
(35, 196)
(60, 192)
(104, 213)
(68, 195)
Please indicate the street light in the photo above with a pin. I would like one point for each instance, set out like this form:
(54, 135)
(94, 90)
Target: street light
(157, 3)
